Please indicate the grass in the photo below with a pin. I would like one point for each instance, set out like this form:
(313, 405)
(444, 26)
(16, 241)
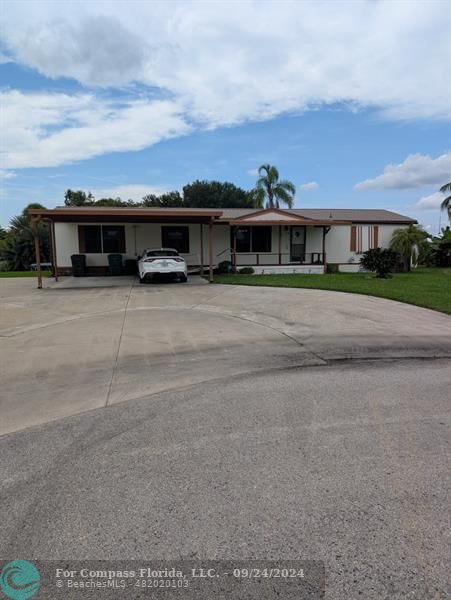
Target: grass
(427, 287)
(23, 274)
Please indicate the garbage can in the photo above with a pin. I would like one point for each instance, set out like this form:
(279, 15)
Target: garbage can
(78, 265)
(115, 264)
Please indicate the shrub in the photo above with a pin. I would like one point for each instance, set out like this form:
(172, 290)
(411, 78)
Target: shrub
(332, 268)
(224, 267)
(246, 271)
(380, 260)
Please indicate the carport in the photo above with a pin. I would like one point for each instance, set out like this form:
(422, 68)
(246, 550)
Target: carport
(124, 215)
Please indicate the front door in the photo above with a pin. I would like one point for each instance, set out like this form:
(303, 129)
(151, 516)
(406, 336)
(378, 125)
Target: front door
(297, 244)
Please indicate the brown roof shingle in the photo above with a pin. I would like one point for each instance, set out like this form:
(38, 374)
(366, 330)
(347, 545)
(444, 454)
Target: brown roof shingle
(356, 215)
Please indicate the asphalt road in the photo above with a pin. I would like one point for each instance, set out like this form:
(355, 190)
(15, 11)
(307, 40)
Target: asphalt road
(344, 462)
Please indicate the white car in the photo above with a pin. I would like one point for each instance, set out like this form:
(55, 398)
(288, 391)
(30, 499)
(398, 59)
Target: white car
(164, 262)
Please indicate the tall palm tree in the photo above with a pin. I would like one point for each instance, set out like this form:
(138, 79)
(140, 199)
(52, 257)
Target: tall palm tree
(408, 242)
(271, 189)
(446, 204)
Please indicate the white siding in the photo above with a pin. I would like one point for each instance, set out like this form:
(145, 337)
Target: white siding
(147, 235)
(137, 238)
(338, 244)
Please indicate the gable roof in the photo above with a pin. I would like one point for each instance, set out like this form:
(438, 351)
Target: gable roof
(354, 215)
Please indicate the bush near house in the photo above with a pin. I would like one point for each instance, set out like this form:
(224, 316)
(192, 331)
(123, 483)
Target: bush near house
(382, 261)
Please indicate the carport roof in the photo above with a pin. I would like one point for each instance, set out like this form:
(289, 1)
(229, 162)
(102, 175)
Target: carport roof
(121, 214)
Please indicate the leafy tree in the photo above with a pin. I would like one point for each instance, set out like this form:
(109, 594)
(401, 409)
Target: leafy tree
(169, 199)
(446, 204)
(273, 190)
(441, 248)
(409, 242)
(115, 202)
(18, 246)
(382, 261)
(215, 194)
(78, 198)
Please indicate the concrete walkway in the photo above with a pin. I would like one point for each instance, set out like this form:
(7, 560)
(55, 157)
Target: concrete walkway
(68, 350)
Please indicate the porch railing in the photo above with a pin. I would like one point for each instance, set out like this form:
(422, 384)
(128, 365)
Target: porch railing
(276, 258)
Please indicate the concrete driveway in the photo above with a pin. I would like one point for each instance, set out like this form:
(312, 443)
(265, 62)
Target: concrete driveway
(231, 423)
(65, 351)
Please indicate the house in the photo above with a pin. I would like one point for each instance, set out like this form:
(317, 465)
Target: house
(300, 240)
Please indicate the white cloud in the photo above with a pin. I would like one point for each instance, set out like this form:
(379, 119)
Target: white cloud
(210, 66)
(7, 174)
(431, 201)
(416, 171)
(85, 127)
(133, 191)
(308, 187)
(253, 172)
(98, 50)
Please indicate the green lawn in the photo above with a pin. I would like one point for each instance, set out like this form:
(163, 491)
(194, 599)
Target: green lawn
(430, 288)
(23, 274)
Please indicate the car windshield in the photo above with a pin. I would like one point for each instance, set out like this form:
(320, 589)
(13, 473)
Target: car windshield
(162, 253)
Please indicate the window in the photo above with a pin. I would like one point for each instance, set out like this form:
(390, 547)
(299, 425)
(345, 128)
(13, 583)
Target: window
(89, 239)
(243, 239)
(359, 237)
(175, 236)
(261, 239)
(252, 239)
(101, 239)
(113, 237)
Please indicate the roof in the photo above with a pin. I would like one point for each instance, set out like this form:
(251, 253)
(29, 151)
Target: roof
(284, 215)
(355, 215)
(279, 216)
(124, 213)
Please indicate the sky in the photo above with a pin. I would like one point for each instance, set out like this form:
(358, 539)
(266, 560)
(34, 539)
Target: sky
(350, 100)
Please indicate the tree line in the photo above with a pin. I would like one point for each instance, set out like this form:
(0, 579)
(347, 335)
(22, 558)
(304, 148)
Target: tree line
(269, 191)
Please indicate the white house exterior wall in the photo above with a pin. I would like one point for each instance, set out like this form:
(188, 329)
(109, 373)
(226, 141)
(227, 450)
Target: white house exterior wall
(149, 235)
(338, 244)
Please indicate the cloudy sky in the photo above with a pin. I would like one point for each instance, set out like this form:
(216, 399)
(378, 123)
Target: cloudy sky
(350, 100)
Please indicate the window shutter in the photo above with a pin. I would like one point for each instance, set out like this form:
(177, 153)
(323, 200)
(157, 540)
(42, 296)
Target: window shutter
(353, 238)
(81, 240)
(375, 236)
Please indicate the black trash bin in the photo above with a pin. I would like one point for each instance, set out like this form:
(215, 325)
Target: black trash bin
(115, 264)
(78, 265)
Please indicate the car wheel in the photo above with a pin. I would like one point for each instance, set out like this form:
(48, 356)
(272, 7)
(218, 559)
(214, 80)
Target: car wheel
(142, 279)
(183, 278)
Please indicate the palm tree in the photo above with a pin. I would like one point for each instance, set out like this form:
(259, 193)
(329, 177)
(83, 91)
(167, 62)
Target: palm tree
(270, 188)
(18, 248)
(446, 204)
(408, 242)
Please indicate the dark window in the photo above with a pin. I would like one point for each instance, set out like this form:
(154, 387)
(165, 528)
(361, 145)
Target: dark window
(98, 239)
(113, 239)
(175, 236)
(253, 239)
(243, 239)
(162, 253)
(89, 239)
(261, 239)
